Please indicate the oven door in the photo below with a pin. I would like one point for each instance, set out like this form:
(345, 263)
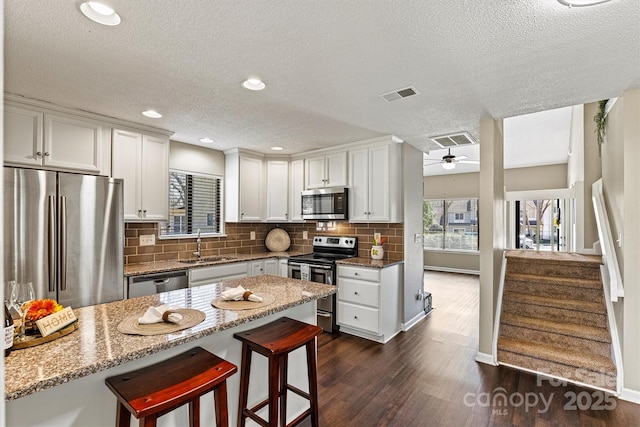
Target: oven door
(326, 305)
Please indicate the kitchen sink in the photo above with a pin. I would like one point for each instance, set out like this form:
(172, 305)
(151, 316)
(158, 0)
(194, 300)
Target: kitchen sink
(208, 259)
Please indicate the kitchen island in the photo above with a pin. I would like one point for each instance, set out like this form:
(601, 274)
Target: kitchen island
(61, 383)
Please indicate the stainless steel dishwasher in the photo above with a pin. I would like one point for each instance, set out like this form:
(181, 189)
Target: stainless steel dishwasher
(150, 284)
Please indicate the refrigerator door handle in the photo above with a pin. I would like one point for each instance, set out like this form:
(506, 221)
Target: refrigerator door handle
(51, 225)
(63, 243)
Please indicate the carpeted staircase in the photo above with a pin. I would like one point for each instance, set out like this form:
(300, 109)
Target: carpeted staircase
(554, 317)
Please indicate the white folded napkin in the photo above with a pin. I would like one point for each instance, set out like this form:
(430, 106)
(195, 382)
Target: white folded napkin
(157, 315)
(240, 294)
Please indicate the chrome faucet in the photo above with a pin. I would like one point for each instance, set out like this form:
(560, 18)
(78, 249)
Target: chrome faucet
(198, 252)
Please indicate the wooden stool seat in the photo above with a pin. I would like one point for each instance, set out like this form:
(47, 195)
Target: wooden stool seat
(275, 341)
(155, 390)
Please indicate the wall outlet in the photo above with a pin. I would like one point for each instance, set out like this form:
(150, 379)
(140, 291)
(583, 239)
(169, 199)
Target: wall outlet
(252, 235)
(305, 234)
(148, 240)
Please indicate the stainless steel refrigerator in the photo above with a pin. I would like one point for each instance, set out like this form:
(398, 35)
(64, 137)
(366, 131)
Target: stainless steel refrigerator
(64, 233)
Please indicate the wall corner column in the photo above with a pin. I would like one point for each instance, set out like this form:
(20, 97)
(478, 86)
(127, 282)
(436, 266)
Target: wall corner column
(492, 226)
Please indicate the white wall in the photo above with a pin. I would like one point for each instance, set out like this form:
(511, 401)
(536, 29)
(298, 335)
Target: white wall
(413, 259)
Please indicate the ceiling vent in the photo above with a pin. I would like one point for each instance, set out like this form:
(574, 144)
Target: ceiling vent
(400, 94)
(453, 140)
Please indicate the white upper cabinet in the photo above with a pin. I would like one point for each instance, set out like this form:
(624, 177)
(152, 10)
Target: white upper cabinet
(374, 184)
(329, 170)
(277, 190)
(54, 140)
(296, 185)
(142, 160)
(244, 186)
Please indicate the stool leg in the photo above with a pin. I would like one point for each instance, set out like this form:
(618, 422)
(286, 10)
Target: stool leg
(194, 412)
(149, 421)
(313, 381)
(274, 390)
(283, 389)
(123, 416)
(220, 399)
(245, 370)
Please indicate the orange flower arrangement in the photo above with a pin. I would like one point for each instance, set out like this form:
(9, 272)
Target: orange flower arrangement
(41, 308)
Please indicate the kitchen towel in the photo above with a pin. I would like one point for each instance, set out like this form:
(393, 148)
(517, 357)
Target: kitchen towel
(240, 294)
(304, 272)
(161, 313)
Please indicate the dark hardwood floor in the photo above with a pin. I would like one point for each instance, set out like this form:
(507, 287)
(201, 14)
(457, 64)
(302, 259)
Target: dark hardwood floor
(428, 376)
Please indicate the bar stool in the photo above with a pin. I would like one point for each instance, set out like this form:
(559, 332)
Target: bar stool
(276, 340)
(155, 390)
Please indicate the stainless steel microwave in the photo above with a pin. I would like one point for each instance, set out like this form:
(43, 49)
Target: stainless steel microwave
(325, 203)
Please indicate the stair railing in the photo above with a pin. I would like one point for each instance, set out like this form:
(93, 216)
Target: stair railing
(612, 279)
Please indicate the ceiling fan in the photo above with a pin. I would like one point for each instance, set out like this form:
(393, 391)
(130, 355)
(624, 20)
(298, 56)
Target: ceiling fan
(449, 161)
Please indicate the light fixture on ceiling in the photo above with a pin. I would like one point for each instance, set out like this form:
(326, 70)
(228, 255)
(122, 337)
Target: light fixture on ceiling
(581, 3)
(152, 114)
(206, 140)
(396, 139)
(277, 148)
(448, 166)
(253, 84)
(100, 13)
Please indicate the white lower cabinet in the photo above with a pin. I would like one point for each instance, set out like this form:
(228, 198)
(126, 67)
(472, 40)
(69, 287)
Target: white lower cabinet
(369, 301)
(217, 273)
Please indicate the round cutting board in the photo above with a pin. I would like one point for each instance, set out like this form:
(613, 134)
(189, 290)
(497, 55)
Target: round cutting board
(277, 240)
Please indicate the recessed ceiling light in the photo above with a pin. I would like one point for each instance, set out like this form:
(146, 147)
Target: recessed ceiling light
(580, 3)
(152, 114)
(206, 140)
(277, 148)
(253, 84)
(100, 13)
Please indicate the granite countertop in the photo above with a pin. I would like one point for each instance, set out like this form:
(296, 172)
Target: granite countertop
(97, 345)
(368, 262)
(174, 265)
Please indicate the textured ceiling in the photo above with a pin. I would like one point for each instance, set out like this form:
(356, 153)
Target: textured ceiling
(324, 62)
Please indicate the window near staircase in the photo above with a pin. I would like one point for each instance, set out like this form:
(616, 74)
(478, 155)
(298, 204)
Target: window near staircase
(194, 204)
(450, 224)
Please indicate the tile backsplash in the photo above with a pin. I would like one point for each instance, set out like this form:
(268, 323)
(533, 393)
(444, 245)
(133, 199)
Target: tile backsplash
(237, 240)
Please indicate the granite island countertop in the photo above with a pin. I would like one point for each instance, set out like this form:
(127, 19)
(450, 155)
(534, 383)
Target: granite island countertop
(175, 265)
(97, 345)
(368, 262)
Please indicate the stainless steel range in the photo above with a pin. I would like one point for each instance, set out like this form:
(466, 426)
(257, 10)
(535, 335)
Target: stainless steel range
(320, 266)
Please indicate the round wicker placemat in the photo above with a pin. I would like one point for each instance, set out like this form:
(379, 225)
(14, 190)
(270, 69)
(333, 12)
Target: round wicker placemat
(277, 240)
(190, 317)
(267, 299)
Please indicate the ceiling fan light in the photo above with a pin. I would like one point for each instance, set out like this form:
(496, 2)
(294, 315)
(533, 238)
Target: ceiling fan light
(448, 166)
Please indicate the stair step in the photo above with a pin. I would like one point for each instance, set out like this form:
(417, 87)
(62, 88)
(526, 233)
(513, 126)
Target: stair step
(562, 328)
(555, 360)
(553, 290)
(570, 342)
(563, 310)
(554, 264)
(570, 282)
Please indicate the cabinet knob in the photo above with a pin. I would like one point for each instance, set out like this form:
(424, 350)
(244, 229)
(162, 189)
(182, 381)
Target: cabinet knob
(355, 317)
(139, 212)
(38, 153)
(355, 293)
(144, 213)
(46, 153)
(355, 274)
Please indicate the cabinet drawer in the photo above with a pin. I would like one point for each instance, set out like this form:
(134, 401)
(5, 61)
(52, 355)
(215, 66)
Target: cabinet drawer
(358, 292)
(356, 316)
(370, 274)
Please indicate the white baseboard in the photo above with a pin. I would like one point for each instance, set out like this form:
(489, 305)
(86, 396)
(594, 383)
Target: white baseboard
(413, 322)
(629, 395)
(451, 270)
(485, 358)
